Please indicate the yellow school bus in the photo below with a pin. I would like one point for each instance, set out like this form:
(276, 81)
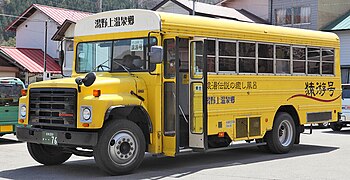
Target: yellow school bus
(169, 84)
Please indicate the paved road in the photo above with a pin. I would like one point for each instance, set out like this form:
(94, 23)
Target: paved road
(322, 155)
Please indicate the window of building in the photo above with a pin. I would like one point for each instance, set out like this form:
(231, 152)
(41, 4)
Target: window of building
(283, 16)
(292, 16)
(313, 60)
(227, 56)
(265, 58)
(246, 57)
(299, 60)
(282, 59)
(327, 61)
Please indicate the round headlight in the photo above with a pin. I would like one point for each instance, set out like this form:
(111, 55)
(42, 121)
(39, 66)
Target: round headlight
(23, 111)
(86, 114)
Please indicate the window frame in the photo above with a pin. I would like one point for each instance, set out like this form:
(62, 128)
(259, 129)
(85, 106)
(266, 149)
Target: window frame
(308, 61)
(273, 58)
(233, 57)
(277, 59)
(299, 60)
(239, 57)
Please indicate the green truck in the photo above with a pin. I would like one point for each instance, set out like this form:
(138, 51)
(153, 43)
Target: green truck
(10, 92)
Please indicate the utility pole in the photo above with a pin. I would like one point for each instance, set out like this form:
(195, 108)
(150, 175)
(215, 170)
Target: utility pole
(100, 4)
(45, 75)
(194, 5)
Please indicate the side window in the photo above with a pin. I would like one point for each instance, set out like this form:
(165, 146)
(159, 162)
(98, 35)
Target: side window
(299, 60)
(327, 61)
(169, 58)
(265, 58)
(282, 59)
(246, 57)
(313, 60)
(196, 59)
(211, 55)
(227, 56)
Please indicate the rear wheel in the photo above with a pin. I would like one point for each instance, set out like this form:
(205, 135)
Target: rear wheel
(282, 136)
(336, 126)
(120, 148)
(48, 155)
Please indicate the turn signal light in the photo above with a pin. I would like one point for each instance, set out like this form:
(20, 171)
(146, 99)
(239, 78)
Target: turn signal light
(23, 92)
(86, 125)
(221, 134)
(21, 121)
(96, 92)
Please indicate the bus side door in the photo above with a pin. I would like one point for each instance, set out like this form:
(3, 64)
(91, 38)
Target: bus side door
(198, 137)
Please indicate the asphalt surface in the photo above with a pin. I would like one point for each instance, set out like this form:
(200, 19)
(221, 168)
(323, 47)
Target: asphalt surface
(323, 155)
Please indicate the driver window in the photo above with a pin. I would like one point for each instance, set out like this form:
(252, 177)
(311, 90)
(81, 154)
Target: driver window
(169, 58)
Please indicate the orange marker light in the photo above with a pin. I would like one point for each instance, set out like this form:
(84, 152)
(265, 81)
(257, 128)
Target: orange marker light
(23, 92)
(86, 125)
(221, 134)
(21, 121)
(96, 92)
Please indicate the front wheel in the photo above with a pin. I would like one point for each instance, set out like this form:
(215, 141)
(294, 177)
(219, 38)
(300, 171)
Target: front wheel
(120, 148)
(48, 155)
(282, 136)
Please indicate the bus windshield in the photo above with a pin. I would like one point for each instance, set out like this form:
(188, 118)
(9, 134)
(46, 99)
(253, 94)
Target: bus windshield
(113, 56)
(10, 93)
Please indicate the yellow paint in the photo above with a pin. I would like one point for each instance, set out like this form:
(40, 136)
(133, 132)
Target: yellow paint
(263, 101)
(6, 128)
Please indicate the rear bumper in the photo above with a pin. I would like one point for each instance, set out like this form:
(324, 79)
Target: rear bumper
(34, 135)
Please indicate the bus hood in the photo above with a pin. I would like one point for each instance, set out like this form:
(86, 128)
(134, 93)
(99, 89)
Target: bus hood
(107, 85)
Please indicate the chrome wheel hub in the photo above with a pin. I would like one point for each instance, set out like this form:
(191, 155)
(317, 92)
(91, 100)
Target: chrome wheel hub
(122, 147)
(285, 133)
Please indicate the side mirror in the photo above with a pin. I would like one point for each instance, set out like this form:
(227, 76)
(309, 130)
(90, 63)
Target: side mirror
(156, 54)
(87, 81)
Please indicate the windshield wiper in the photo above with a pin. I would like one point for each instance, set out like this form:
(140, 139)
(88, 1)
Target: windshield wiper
(101, 66)
(124, 67)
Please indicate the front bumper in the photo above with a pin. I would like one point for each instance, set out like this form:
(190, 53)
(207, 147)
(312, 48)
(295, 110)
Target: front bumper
(35, 135)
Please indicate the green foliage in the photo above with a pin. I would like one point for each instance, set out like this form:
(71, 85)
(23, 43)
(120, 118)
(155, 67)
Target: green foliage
(10, 42)
(17, 7)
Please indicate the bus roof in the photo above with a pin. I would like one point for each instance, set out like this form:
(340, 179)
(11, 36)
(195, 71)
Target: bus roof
(146, 20)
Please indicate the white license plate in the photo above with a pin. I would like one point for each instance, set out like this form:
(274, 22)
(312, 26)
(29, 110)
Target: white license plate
(49, 138)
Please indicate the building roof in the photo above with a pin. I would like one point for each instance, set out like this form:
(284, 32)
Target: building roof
(59, 15)
(59, 34)
(28, 59)
(342, 23)
(208, 10)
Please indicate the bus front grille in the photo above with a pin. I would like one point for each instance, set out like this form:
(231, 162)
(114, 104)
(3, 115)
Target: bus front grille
(53, 107)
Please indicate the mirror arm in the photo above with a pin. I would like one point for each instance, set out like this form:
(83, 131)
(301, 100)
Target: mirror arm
(149, 51)
(61, 58)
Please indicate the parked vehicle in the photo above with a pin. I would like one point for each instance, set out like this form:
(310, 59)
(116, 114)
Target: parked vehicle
(345, 115)
(170, 84)
(10, 92)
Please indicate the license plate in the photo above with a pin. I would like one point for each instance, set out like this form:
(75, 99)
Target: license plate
(49, 138)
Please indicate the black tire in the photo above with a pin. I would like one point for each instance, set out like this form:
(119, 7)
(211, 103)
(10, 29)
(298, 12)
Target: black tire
(336, 126)
(282, 136)
(48, 155)
(120, 148)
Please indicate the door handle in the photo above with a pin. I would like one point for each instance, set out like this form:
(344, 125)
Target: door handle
(6, 110)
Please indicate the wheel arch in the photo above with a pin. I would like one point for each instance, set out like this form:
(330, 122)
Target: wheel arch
(134, 113)
(291, 111)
